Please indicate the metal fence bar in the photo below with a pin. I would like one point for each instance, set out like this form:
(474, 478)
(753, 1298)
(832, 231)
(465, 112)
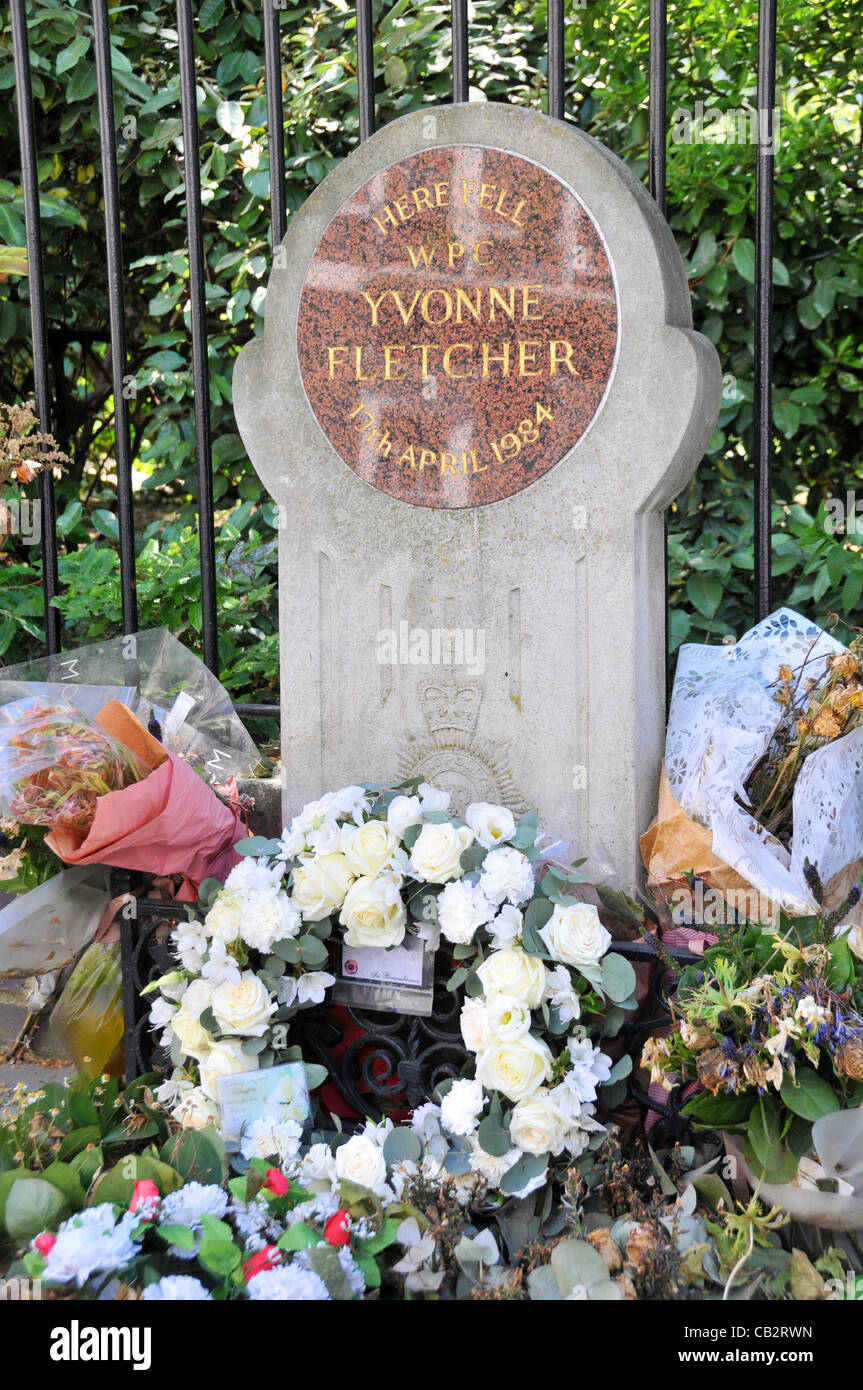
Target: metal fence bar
(35, 274)
(365, 68)
(200, 363)
(658, 61)
(117, 315)
(762, 347)
(275, 121)
(556, 105)
(460, 65)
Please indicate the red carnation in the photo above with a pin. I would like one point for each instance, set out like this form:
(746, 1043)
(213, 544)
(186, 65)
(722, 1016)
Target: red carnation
(276, 1182)
(337, 1230)
(268, 1258)
(144, 1191)
(44, 1242)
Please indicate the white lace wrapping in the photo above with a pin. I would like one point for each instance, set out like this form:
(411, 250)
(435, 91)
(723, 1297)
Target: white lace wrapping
(722, 719)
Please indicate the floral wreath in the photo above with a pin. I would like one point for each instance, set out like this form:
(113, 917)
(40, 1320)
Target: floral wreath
(373, 865)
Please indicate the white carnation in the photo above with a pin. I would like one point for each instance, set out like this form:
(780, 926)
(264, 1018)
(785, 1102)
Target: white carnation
(462, 1106)
(461, 908)
(507, 875)
(254, 875)
(267, 916)
(287, 1283)
(176, 1288)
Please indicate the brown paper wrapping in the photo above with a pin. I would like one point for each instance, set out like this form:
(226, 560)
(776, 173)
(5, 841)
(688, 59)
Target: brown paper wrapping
(674, 845)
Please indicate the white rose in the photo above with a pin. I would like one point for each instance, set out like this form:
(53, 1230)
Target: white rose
(326, 838)
(537, 1126)
(461, 909)
(575, 935)
(508, 1017)
(243, 1006)
(267, 917)
(318, 1169)
(374, 913)
(194, 1040)
(514, 972)
(361, 1161)
(490, 824)
(507, 874)
(474, 1025)
(196, 1111)
(461, 1107)
(225, 1058)
(403, 812)
(436, 855)
(516, 1069)
(367, 847)
(223, 919)
(320, 885)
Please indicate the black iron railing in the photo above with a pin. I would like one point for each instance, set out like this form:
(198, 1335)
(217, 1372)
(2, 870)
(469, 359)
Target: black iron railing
(271, 11)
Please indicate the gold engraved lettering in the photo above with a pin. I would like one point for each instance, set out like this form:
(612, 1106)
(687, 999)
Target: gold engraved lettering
(488, 358)
(447, 357)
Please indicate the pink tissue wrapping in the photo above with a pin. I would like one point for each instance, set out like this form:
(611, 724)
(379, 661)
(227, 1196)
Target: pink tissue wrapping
(170, 823)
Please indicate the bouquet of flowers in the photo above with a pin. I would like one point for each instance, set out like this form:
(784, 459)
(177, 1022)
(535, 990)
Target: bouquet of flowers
(55, 764)
(770, 1028)
(762, 788)
(370, 865)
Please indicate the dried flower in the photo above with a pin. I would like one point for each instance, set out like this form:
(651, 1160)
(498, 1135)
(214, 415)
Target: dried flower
(848, 1059)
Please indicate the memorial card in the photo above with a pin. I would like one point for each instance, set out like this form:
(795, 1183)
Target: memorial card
(400, 979)
(281, 1093)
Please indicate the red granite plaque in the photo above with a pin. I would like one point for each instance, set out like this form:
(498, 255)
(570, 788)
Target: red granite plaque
(458, 326)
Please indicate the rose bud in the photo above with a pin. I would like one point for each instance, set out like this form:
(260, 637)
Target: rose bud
(44, 1242)
(276, 1182)
(268, 1258)
(337, 1229)
(145, 1196)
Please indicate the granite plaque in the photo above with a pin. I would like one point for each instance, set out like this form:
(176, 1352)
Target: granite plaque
(457, 326)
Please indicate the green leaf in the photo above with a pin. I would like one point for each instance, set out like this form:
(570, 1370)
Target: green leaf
(493, 1137)
(181, 1236)
(402, 1145)
(764, 1133)
(68, 57)
(229, 115)
(743, 256)
(524, 1171)
(575, 1262)
(64, 1177)
(313, 951)
(34, 1206)
(77, 1140)
(618, 977)
(220, 1257)
(316, 1075)
(299, 1236)
(812, 1096)
(324, 1261)
(198, 1155)
(6, 1180)
(719, 1111)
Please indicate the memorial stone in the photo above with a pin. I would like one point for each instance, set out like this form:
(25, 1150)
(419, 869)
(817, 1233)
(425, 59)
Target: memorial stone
(477, 390)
